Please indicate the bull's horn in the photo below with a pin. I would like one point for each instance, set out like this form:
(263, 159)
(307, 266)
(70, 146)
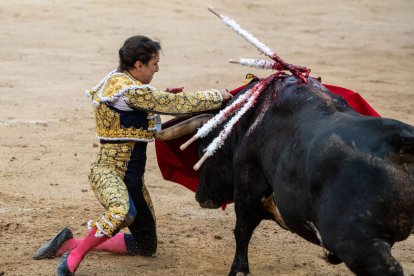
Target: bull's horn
(186, 127)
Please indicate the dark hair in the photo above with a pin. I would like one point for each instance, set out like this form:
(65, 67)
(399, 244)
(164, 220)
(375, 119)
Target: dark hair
(137, 48)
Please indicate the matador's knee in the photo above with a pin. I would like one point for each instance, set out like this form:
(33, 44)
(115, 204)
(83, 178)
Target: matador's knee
(112, 221)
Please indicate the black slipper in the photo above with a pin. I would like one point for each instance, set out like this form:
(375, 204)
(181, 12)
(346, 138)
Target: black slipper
(62, 268)
(49, 249)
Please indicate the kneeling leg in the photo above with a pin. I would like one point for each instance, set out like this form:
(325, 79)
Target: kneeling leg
(143, 238)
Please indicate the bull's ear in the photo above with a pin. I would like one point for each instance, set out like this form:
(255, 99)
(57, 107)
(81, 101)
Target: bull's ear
(406, 143)
(402, 141)
(406, 153)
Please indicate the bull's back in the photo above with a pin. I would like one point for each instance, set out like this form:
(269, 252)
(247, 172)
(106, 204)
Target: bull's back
(331, 166)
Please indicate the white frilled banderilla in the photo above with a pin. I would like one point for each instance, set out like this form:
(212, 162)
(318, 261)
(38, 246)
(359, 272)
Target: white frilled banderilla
(246, 101)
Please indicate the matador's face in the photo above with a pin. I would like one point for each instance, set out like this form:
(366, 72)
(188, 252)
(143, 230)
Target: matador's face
(145, 72)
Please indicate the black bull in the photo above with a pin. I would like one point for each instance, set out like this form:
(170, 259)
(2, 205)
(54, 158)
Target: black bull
(305, 159)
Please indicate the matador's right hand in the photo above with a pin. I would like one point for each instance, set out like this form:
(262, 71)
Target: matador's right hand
(174, 90)
(226, 95)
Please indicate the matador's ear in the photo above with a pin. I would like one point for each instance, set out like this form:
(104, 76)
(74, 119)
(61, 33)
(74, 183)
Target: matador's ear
(138, 65)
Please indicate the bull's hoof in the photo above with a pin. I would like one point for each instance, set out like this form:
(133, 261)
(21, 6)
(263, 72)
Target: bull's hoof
(240, 274)
(332, 258)
(49, 249)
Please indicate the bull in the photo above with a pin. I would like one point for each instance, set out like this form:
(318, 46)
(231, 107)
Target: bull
(301, 156)
(305, 159)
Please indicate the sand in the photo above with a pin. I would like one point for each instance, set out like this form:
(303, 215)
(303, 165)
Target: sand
(51, 51)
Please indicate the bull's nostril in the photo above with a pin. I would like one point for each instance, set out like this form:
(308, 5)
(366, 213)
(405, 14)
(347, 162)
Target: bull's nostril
(209, 204)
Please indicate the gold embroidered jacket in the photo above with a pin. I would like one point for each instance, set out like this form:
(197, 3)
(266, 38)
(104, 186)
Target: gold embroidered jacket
(125, 109)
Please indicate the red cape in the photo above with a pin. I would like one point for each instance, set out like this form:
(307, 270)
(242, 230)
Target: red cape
(177, 165)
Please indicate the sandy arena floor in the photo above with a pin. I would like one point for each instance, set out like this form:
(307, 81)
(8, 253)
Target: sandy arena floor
(51, 51)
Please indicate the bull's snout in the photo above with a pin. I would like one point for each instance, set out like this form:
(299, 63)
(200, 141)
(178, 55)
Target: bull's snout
(207, 203)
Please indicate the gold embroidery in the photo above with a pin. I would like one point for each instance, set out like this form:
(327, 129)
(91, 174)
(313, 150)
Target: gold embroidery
(108, 126)
(117, 83)
(169, 103)
(106, 179)
(120, 134)
(145, 98)
(106, 118)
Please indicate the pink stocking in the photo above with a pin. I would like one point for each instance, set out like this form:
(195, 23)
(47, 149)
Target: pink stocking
(88, 243)
(116, 244)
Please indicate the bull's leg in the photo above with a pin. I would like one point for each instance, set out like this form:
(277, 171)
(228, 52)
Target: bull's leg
(370, 257)
(248, 218)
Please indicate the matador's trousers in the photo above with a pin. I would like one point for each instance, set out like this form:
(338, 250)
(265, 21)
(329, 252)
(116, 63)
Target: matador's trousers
(117, 179)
